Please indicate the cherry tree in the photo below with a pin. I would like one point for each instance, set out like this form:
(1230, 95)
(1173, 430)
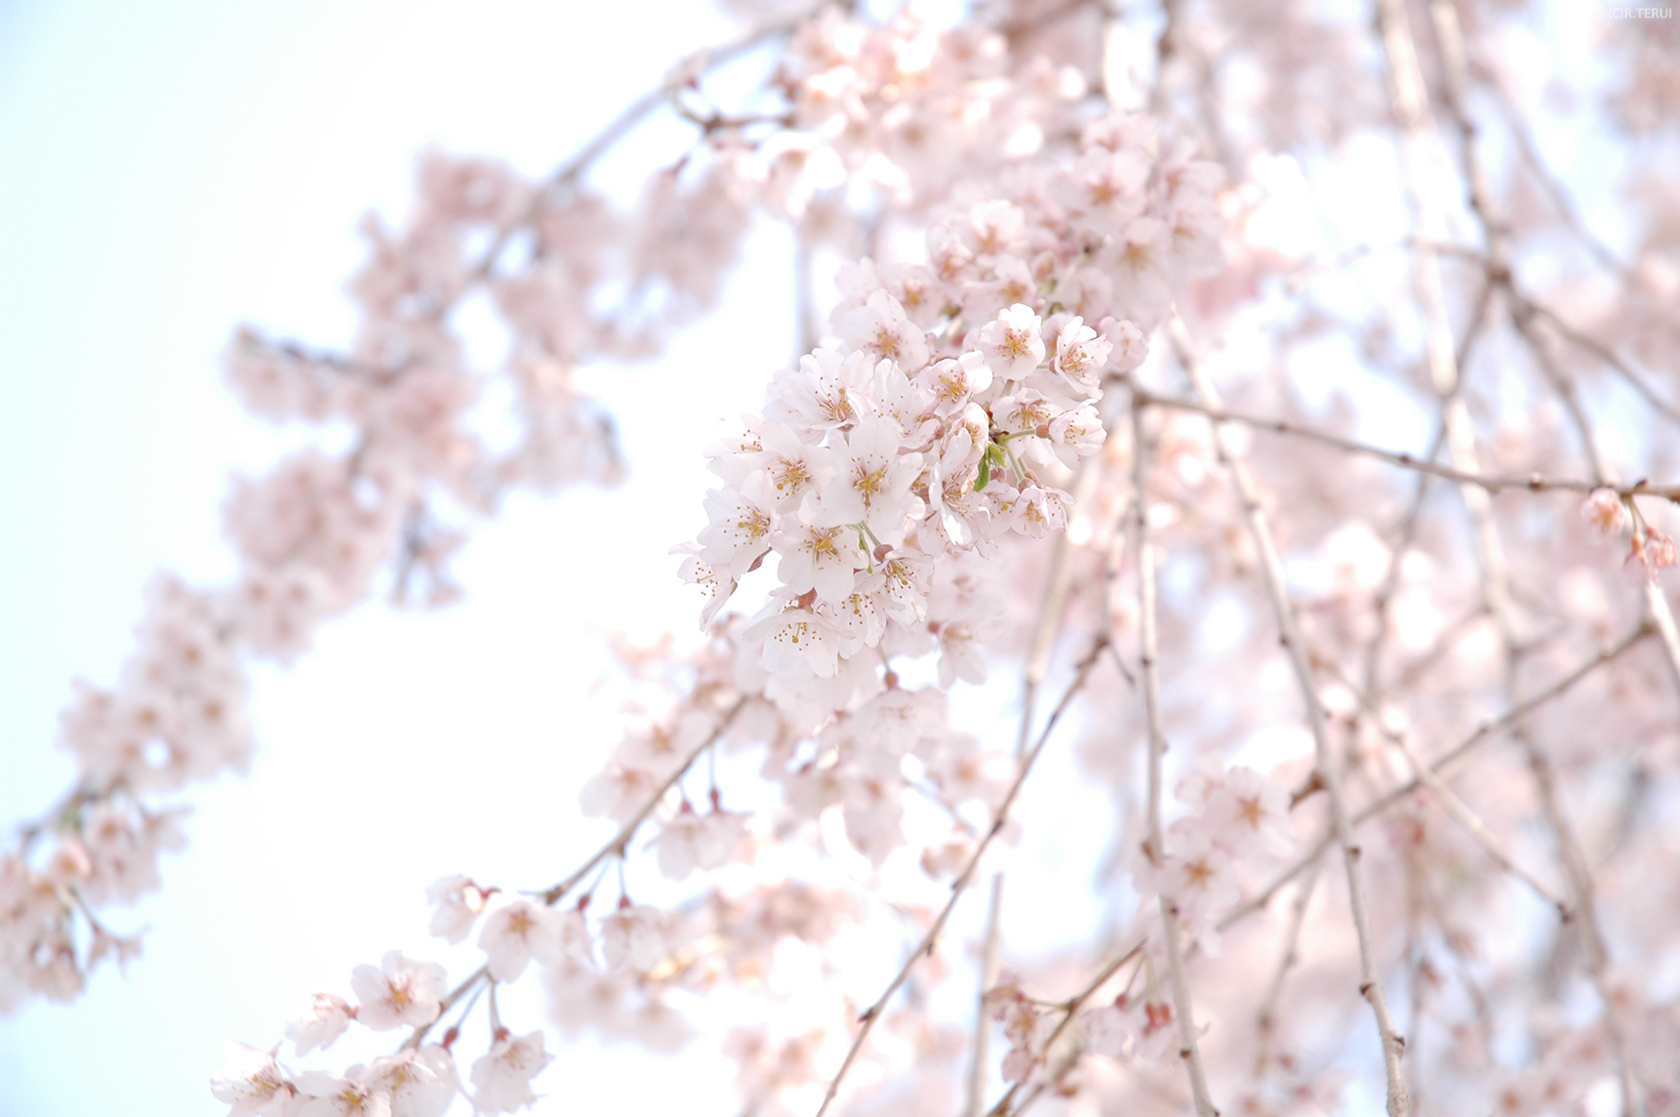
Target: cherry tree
(1240, 398)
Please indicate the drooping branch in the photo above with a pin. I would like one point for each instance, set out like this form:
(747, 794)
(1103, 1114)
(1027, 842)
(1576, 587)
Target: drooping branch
(620, 842)
(1420, 463)
(1283, 611)
(1442, 766)
(1189, 1050)
(999, 817)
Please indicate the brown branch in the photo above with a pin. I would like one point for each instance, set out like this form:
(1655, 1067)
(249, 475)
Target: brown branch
(1070, 1010)
(1271, 567)
(1189, 1050)
(620, 842)
(1442, 766)
(1492, 483)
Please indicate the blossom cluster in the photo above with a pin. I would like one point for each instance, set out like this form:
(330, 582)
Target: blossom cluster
(1021, 264)
(953, 397)
(1649, 552)
(1237, 816)
(418, 1081)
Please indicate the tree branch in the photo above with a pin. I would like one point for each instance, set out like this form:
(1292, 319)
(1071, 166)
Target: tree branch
(1370, 988)
(960, 885)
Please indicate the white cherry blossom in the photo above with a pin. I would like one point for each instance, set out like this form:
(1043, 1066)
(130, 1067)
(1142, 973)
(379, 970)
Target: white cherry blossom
(633, 938)
(872, 482)
(1012, 342)
(398, 993)
(794, 638)
(617, 792)
(818, 394)
(1247, 809)
(1082, 355)
(738, 535)
(419, 1083)
(251, 1082)
(458, 902)
(1076, 433)
(502, 1078)
(819, 551)
(350, 1095)
(881, 329)
(517, 931)
(692, 841)
(320, 1024)
(953, 382)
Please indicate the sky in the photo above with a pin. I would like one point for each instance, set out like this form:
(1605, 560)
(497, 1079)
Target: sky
(171, 170)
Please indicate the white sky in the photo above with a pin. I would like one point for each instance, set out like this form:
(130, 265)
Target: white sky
(172, 169)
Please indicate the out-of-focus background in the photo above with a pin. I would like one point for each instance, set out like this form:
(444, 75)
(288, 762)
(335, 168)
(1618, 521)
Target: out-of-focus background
(166, 172)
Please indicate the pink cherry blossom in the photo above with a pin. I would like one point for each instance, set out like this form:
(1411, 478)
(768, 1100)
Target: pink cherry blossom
(633, 938)
(872, 481)
(502, 1078)
(419, 1083)
(252, 1083)
(881, 329)
(354, 1094)
(399, 993)
(1227, 447)
(320, 1024)
(516, 932)
(1012, 343)
(458, 902)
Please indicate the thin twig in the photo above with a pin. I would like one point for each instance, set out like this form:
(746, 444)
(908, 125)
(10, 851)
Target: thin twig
(621, 841)
(1452, 804)
(1038, 665)
(1495, 571)
(1188, 1048)
(1070, 1010)
(448, 1002)
(1317, 720)
(1492, 483)
(1604, 353)
(1443, 766)
(608, 137)
(1265, 1017)
(1467, 818)
(960, 885)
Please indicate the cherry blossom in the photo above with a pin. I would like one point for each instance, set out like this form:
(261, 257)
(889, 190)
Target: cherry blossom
(1012, 343)
(516, 932)
(398, 993)
(502, 1079)
(353, 1095)
(697, 841)
(633, 938)
(419, 1083)
(458, 904)
(319, 1024)
(251, 1082)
